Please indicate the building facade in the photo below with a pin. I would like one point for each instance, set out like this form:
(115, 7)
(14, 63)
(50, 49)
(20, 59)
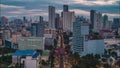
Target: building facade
(96, 21)
(37, 29)
(68, 19)
(80, 34)
(27, 58)
(51, 16)
(31, 43)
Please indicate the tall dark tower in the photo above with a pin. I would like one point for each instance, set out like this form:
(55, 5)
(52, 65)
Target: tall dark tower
(40, 19)
(65, 8)
(51, 11)
(92, 15)
(40, 27)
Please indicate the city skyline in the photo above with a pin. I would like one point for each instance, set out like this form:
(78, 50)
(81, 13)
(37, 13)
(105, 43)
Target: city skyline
(35, 8)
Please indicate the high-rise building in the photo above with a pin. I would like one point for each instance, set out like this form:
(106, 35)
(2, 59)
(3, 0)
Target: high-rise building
(24, 20)
(40, 19)
(37, 29)
(34, 29)
(108, 25)
(98, 24)
(57, 21)
(51, 17)
(80, 34)
(65, 8)
(41, 27)
(116, 23)
(92, 16)
(82, 42)
(105, 21)
(96, 21)
(67, 20)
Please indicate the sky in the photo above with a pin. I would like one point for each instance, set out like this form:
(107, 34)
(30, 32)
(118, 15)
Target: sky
(35, 8)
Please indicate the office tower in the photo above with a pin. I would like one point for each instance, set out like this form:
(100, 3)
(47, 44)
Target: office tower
(105, 21)
(67, 20)
(37, 29)
(77, 38)
(24, 20)
(92, 16)
(41, 27)
(57, 21)
(96, 21)
(98, 24)
(80, 34)
(65, 8)
(34, 29)
(82, 42)
(40, 19)
(116, 23)
(51, 17)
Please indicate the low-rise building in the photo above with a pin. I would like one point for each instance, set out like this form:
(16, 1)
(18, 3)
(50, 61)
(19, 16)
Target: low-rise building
(94, 47)
(31, 43)
(26, 58)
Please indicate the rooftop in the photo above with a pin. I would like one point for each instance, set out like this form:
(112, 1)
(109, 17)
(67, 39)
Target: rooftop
(32, 53)
(24, 53)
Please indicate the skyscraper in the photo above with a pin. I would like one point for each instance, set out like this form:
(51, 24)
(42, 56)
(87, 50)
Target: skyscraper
(92, 16)
(116, 23)
(41, 27)
(65, 8)
(105, 21)
(96, 21)
(80, 35)
(77, 38)
(57, 21)
(34, 29)
(38, 28)
(68, 19)
(51, 17)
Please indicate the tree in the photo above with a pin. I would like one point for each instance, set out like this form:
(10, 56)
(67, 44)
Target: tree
(97, 56)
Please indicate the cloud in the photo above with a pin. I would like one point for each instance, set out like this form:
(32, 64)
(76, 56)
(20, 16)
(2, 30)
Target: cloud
(87, 13)
(40, 7)
(96, 2)
(2, 6)
(81, 12)
(20, 11)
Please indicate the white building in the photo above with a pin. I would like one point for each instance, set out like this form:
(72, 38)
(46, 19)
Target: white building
(27, 58)
(68, 19)
(31, 43)
(98, 22)
(94, 47)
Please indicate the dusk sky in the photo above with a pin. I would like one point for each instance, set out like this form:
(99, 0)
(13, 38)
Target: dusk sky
(33, 8)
